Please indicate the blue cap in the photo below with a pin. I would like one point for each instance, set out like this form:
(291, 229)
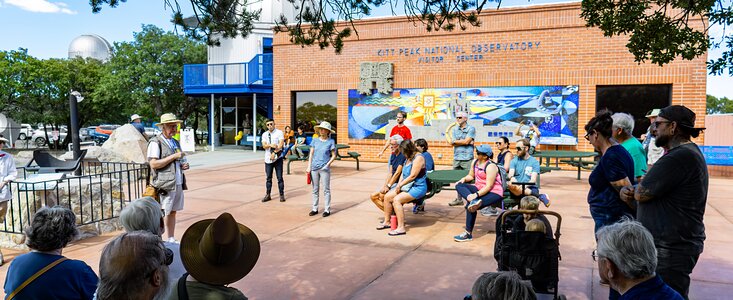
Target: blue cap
(485, 149)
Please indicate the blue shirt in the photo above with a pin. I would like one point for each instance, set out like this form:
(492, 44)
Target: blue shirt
(464, 152)
(429, 163)
(139, 127)
(614, 165)
(651, 289)
(321, 151)
(396, 161)
(71, 279)
(523, 168)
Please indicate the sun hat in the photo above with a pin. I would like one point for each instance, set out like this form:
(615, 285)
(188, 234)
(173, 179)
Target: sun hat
(325, 125)
(4, 140)
(485, 149)
(168, 119)
(219, 251)
(134, 117)
(653, 113)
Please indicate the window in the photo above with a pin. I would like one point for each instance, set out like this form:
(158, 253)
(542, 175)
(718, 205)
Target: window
(311, 108)
(636, 100)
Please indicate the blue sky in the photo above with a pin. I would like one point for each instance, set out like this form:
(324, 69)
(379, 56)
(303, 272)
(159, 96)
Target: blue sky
(46, 27)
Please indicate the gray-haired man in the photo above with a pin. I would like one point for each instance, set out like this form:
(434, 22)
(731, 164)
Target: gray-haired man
(623, 126)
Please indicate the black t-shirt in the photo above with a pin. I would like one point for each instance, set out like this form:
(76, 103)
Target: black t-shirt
(679, 183)
(615, 164)
(396, 161)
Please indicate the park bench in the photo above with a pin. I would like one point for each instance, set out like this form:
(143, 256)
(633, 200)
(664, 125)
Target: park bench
(293, 157)
(587, 165)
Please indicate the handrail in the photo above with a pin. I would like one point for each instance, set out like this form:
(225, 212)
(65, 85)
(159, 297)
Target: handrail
(257, 71)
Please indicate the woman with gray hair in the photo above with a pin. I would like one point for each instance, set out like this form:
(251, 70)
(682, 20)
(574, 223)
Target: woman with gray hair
(145, 214)
(623, 127)
(44, 273)
(627, 258)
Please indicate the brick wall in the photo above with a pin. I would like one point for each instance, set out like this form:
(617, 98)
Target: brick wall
(569, 54)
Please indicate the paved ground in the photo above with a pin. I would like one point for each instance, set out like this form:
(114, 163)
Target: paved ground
(344, 257)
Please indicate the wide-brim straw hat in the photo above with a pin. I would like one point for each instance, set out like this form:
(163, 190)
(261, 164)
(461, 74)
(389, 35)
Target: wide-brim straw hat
(325, 125)
(219, 251)
(168, 119)
(653, 113)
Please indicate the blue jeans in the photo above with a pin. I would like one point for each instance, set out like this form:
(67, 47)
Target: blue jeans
(603, 219)
(318, 178)
(465, 189)
(278, 166)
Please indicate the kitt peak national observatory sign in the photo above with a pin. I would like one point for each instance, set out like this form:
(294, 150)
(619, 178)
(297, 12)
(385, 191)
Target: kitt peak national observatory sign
(458, 53)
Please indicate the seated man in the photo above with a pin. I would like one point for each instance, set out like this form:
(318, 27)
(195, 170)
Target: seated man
(525, 168)
(396, 159)
(627, 259)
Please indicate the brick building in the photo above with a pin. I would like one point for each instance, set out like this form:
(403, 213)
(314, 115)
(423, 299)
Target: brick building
(530, 48)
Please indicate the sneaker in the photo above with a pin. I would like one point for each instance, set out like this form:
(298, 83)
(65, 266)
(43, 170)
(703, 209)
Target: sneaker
(326, 213)
(421, 207)
(313, 213)
(172, 240)
(463, 237)
(545, 199)
(282, 198)
(414, 209)
(474, 205)
(456, 202)
(490, 211)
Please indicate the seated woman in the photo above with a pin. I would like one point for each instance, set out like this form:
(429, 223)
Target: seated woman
(412, 186)
(485, 191)
(50, 231)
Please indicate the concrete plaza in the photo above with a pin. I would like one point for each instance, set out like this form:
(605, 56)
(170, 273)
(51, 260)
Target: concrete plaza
(344, 257)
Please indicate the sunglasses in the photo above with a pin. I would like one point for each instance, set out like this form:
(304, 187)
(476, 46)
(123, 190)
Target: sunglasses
(270, 124)
(656, 123)
(460, 117)
(520, 148)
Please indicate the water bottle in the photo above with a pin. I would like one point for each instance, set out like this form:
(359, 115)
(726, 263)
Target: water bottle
(393, 222)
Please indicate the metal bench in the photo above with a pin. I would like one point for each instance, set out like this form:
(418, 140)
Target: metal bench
(293, 157)
(47, 163)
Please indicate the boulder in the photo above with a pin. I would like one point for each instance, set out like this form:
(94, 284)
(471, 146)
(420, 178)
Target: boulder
(100, 154)
(129, 143)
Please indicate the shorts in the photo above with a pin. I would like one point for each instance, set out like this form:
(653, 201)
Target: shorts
(461, 164)
(173, 201)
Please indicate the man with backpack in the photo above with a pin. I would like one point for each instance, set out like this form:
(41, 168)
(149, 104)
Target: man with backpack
(487, 189)
(525, 168)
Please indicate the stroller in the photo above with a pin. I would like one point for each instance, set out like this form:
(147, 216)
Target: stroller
(533, 255)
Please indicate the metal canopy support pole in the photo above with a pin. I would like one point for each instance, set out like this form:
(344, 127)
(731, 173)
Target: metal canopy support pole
(254, 123)
(211, 123)
(236, 118)
(73, 108)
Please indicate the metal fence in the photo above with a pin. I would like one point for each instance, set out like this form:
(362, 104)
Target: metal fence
(98, 194)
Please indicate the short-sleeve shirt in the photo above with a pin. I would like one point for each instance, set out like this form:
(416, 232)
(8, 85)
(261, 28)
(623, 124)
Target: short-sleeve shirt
(637, 154)
(429, 162)
(614, 165)
(154, 152)
(403, 131)
(523, 168)
(273, 137)
(396, 161)
(464, 152)
(71, 279)
(321, 152)
(678, 182)
(531, 135)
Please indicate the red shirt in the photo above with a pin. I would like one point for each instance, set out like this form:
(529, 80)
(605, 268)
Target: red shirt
(403, 131)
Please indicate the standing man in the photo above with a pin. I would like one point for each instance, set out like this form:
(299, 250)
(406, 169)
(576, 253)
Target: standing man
(272, 141)
(653, 153)
(462, 143)
(8, 173)
(400, 129)
(135, 120)
(672, 197)
(623, 126)
(525, 168)
(532, 134)
(167, 163)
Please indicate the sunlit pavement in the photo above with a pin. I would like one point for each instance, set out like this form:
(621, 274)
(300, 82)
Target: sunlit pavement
(344, 257)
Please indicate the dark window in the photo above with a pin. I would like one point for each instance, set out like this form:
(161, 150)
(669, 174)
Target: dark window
(312, 108)
(636, 100)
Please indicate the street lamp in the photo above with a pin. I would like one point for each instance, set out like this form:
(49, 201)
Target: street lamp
(74, 98)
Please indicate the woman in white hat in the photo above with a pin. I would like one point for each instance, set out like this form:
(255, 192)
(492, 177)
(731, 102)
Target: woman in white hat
(8, 173)
(323, 152)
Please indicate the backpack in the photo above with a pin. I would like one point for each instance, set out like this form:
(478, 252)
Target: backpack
(502, 173)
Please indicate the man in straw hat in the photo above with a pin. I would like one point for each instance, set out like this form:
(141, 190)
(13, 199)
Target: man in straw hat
(272, 141)
(216, 252)
(653, 153)
(672, 197)
(167, 163)
(7, 174)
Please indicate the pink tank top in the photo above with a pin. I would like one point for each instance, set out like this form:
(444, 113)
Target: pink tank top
(480, 179)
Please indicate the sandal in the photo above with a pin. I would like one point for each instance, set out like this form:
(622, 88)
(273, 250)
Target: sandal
(382, 226)
(395, 233)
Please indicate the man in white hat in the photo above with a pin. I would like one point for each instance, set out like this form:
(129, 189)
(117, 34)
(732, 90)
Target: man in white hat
(272, 141)
(167, 163)
(136, 121)
(653, 153)
(7, 174)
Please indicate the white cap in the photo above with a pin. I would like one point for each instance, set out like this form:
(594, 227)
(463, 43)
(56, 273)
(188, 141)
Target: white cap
(134, 117)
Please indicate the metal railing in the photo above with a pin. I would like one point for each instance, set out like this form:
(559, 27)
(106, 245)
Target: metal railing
(256, 71)
(98, 194)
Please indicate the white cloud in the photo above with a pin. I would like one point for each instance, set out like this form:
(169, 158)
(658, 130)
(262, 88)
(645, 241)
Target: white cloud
(42, 6)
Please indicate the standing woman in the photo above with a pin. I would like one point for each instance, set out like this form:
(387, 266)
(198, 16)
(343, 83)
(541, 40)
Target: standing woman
(412, 186)
(614, 170)
(486, 190)
(505, 156)
(8, 173)
(322, 154)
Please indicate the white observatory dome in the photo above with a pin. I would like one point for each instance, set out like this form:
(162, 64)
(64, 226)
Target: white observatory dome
(90, 46)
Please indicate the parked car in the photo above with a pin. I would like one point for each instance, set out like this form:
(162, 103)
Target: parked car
(151, 132)
(39, 136)
(106, 129)
(85, 134)
(26, 130)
